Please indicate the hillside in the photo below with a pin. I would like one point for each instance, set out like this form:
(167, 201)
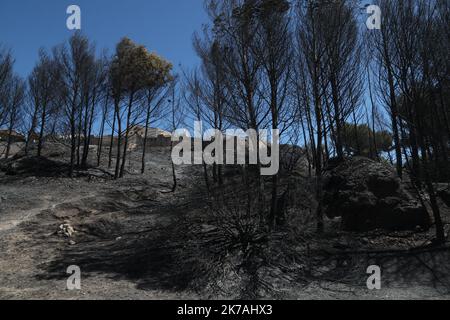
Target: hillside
(134, 239)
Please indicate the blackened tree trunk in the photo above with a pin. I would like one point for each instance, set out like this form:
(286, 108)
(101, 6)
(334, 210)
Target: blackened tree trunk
(393, 106)
(111, 143)
(73, 146)
(174, 173)
(119, 140)
(102, 133)
(41, 132)
(144, 147)
(88, 131)
(127, 134)
(9, 141)
(31, 131)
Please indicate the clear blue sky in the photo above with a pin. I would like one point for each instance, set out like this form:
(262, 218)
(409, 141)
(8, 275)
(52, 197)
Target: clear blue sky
(163, 26)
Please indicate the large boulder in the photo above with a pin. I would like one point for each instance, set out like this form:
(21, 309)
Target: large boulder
(368, 195)
(443, 192)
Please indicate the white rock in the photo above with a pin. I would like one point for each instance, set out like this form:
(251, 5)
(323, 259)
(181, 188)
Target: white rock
(66, 230)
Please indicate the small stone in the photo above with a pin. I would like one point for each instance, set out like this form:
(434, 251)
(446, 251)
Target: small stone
(72, 243)
(66, 230)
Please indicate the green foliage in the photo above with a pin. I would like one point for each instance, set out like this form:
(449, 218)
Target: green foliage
(359, 140)
(135, 68)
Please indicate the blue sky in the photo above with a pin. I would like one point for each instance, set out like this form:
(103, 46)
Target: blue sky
(163, 26)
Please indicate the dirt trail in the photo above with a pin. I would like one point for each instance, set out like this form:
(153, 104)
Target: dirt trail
(116, 222)
(34, 258)
(12, 220)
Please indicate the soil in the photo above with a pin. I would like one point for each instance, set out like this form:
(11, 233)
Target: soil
(134, 239)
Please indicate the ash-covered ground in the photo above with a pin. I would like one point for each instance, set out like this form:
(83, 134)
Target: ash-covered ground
(134, 239)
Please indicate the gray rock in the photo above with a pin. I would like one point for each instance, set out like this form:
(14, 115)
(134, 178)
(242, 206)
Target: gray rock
(368, 195)
(443, 191)
(66, 230)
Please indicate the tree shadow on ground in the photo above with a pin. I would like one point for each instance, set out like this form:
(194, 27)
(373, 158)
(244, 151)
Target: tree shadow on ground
(158, 258)
(428, 268)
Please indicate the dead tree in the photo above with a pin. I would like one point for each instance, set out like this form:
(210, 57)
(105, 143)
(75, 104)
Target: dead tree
(155, 101)
(72, 59)
(14, 102)
(133, 70)
(6, 74)
(311, 52)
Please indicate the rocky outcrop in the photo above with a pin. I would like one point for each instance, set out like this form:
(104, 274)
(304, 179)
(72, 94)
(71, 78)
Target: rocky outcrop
(443, 191)
(368, 195)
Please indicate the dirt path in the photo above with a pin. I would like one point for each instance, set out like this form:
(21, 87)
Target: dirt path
(12, 220)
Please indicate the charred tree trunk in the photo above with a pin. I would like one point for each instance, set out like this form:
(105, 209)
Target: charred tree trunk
(119, 140)
(8, 143)
(144, 147)
(174, 173)
(127, 134)
(31, 131)
(393, 107)
(111, 144)
(102, 133)
(88, 132)
(41, 132)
